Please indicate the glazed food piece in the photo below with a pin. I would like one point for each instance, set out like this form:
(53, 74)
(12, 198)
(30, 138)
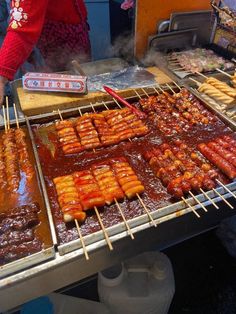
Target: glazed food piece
(216, 93)
(17, 233)
(87, 133)
(68, 199)
(175, 114)
(11, 160)
(88, 190)
(223, 87)
(100, 185)
(118, 125)
(67, 136)
(23, 155)
(127, 178)
(136, 124)
(222, 153)
(94, 130)
(180, 169)
(3, 181)
(108, 183)
(106, 134)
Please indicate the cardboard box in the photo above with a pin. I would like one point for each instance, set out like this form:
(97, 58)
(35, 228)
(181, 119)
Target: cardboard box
(53, 82)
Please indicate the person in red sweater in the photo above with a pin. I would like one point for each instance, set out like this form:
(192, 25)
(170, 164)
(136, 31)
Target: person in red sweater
(58, 28)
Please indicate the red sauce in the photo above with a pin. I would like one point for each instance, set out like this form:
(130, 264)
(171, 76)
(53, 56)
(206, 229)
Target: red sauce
(155, 195)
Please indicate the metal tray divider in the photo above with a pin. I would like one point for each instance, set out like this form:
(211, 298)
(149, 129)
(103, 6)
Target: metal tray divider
(141, 222)
(49, 213)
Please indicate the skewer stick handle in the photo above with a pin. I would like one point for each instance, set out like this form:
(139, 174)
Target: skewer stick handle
(137, 94)
(81, 239)
(225, 73)
(146, 210)
(198, 83)
(125, 221)
(4, 118)
(170, 88)
(225, 187)
(103, 229)
(16, 116)
(60, 115)
(194, 197)
(201, 74)
(177, 85)
(190, 206)
(209, 199)
(223, 199)
(105, 105)
(8, 119)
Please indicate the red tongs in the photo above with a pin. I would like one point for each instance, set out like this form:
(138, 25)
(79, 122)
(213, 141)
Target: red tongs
(110, 91)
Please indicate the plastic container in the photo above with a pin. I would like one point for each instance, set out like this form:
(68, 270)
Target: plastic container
(143, 284)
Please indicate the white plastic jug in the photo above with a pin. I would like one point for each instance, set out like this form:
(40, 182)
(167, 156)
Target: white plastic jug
(143, 284)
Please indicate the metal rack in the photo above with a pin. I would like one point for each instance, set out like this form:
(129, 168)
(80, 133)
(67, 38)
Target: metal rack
(70, 265)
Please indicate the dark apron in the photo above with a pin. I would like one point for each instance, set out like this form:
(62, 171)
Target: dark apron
(60, 43)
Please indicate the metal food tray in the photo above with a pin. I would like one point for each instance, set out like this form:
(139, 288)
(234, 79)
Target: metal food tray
(211, 103)
(96, 240)
(41, 256)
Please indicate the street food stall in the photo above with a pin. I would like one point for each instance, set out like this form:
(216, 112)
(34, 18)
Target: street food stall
(87, 182)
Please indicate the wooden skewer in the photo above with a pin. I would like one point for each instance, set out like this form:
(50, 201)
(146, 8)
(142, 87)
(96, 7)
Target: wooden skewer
(117, 103)
(4, 117)
(60, 115)
(156, 90)
(225, 187)
(93, 107)
(196, 200)
(209, 199)
(170, 88)
(137, 94)
(145, 92)
(105, 105)
(79, 111)
(225, 73)
(223, 199)
(161, 88)
(125, 221)
(146, 210)
(8, 119)
(201, 74)
(177, 85)
(198, 83)
(190, 206)
(16, 116)
(81, 239)
(103, 229)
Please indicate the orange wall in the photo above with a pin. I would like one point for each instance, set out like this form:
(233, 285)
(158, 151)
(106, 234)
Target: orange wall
(149, 12)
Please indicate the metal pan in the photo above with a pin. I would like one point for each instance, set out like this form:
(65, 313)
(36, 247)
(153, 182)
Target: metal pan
(94, 240)
(44, 231)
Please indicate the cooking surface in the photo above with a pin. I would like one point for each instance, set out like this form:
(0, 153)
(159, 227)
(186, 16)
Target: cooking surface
(54, 164)
(28, 193)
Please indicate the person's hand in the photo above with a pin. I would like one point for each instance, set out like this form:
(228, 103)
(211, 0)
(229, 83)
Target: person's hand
(3, 82)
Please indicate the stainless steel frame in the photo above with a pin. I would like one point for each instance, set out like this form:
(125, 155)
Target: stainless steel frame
(175, 223)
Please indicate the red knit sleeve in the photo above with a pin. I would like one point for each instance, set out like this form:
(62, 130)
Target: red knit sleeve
(25, 26)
